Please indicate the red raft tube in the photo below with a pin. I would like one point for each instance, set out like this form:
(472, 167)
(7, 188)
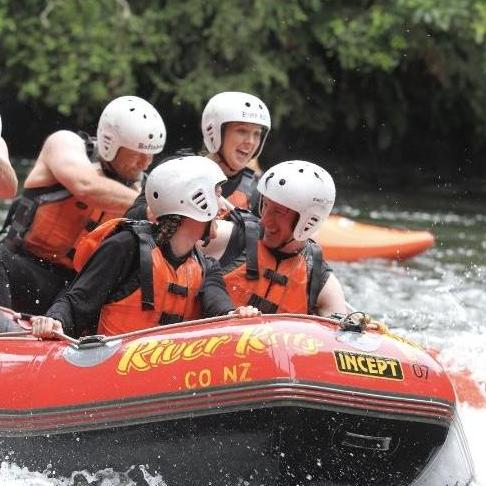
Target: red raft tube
(274, 400)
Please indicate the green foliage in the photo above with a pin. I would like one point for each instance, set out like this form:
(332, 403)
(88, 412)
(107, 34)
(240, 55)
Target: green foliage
(382, 66)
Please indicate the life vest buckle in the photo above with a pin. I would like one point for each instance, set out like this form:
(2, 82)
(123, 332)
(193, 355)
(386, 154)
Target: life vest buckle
(275, 277)
(177, 289)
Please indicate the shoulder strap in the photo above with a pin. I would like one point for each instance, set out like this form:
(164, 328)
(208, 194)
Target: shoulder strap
(246, 182)
(143, 231)
(11, 212)
(252, 235)
(202, 261)
(90, 144)
(314, 272)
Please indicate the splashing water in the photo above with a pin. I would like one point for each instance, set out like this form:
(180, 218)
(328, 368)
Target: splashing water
(438, 299)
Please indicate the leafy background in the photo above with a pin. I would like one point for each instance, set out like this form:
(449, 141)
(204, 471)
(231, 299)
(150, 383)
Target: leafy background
(381, 91)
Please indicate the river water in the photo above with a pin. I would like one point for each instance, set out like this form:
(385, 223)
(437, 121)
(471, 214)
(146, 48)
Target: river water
(437, 298)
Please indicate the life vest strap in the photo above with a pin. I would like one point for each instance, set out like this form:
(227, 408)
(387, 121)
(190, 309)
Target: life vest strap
(177, 289)
(315, 264)
(275, 277)
(147, 244)
(252, 231)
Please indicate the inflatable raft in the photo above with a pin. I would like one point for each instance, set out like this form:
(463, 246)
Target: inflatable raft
(346, 240)
(274, 400)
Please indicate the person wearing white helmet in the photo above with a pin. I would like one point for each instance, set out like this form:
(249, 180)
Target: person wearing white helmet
(75, 184)
(234, 126)
(273, 264)
(8, 178)
(144, 274)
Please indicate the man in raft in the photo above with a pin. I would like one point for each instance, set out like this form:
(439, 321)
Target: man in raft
(75, 185)
(8, 178)
(273, 264)
(148, 274)
(234, 126)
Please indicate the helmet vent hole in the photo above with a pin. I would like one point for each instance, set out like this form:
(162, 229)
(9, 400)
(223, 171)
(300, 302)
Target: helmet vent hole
(282, 182)
(248, 104)
(260, 106)
(301, 170)
(144, 116)
(317, 175)
(156, 195)
(269, 177)
(199, 199)
(132, 109)
(151, 135)
(161, 135)
(182, 201)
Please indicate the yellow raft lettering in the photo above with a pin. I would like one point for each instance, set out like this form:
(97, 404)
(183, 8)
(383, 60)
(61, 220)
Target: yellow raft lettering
(237, 373)
(364, 364)
(257, 339)
(141, 356)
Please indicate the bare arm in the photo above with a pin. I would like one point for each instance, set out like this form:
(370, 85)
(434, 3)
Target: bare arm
(8, 178)
(331, 298)
(63, 158)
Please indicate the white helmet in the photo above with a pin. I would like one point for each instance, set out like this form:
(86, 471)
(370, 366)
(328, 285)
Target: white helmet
(131, 122)
(185, 186)
(233, 106)
(303, 187)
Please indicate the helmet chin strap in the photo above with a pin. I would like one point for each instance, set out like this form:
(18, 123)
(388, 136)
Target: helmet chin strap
(205, 236)
(285, 243)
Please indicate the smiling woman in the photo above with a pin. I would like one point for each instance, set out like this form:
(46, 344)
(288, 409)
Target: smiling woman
(241, 141)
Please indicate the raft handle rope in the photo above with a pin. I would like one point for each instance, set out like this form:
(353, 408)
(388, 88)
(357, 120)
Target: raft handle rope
(91, 341)
(368, 325)
(20, 318)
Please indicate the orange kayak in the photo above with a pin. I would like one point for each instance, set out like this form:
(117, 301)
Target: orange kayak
(346, 240)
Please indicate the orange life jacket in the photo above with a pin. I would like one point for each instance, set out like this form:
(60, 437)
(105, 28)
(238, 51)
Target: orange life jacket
(48, 222)
(291, 285)
(90, 242)
(166, 295)
(175, 299)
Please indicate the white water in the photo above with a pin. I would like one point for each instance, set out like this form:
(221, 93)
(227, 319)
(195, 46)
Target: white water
(438, 299)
